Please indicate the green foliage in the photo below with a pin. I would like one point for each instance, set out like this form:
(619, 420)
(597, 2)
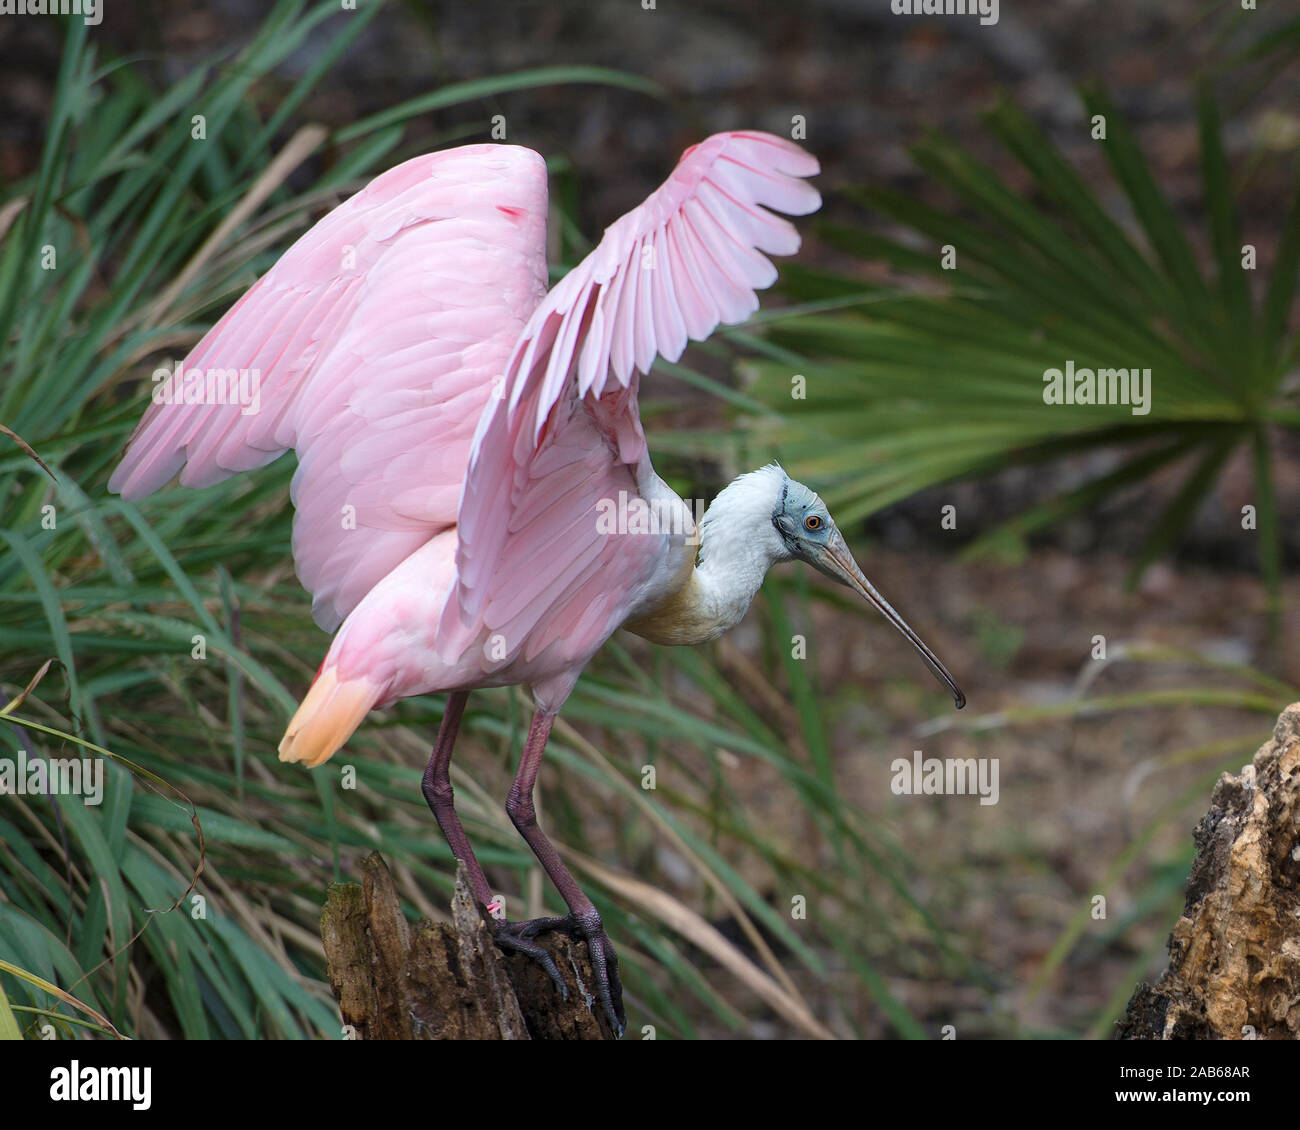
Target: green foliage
(906, 390)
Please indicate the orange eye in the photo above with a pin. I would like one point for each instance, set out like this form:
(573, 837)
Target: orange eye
(812, 522)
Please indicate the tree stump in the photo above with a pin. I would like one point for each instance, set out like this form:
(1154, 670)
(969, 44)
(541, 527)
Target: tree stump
(1234, 955)
(434, 981)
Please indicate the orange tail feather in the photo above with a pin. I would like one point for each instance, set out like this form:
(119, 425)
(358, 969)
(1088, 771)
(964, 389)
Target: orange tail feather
(329, 714)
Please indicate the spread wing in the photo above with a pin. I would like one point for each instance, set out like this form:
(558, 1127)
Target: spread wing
(376, 340)
(533, 563)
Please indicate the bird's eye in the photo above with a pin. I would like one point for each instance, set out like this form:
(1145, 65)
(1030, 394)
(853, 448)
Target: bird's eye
(812, 522)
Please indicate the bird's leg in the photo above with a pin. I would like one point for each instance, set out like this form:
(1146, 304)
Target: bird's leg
(583, 919)
(436, 786)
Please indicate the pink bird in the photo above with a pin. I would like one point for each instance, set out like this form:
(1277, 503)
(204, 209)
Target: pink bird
(465, 439)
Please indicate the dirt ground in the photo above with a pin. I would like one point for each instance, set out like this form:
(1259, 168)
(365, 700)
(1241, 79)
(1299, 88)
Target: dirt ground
(1076, 795)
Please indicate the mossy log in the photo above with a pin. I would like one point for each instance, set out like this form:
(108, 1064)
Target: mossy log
(1234, 955)
(445, 981)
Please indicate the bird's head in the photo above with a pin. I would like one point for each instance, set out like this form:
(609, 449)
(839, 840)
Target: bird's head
(808, 532)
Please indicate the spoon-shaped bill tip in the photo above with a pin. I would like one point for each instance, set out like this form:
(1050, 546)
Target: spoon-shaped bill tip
(837, 562)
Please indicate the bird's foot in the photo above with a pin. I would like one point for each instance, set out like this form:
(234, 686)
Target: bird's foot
(521, 937)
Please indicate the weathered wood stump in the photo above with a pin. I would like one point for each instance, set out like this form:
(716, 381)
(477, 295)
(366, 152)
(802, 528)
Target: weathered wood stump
(434, 981)
(1234, 955)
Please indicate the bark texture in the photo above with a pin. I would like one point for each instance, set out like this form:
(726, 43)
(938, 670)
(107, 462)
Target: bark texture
(1234, 955)
(435, 981)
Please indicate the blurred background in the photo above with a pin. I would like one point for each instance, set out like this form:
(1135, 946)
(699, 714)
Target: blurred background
(1104, 182)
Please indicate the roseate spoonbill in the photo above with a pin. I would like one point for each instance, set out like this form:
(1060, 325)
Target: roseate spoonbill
(458, 428)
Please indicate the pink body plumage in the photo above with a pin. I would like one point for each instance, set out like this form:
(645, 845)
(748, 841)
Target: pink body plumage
(457, 426)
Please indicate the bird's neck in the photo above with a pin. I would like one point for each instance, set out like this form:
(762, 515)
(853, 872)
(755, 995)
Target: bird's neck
(715, 594)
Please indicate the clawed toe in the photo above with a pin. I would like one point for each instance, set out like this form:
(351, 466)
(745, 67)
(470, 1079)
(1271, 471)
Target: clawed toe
(520, 937)
(516, 936)
(604, 962)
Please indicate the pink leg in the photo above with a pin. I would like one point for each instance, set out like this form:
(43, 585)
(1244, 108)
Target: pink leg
(436, 786)
(437, 790)
(584, 919)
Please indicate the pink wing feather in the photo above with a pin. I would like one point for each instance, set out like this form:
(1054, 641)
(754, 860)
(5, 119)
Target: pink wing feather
(378, 337)
(531, 563)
